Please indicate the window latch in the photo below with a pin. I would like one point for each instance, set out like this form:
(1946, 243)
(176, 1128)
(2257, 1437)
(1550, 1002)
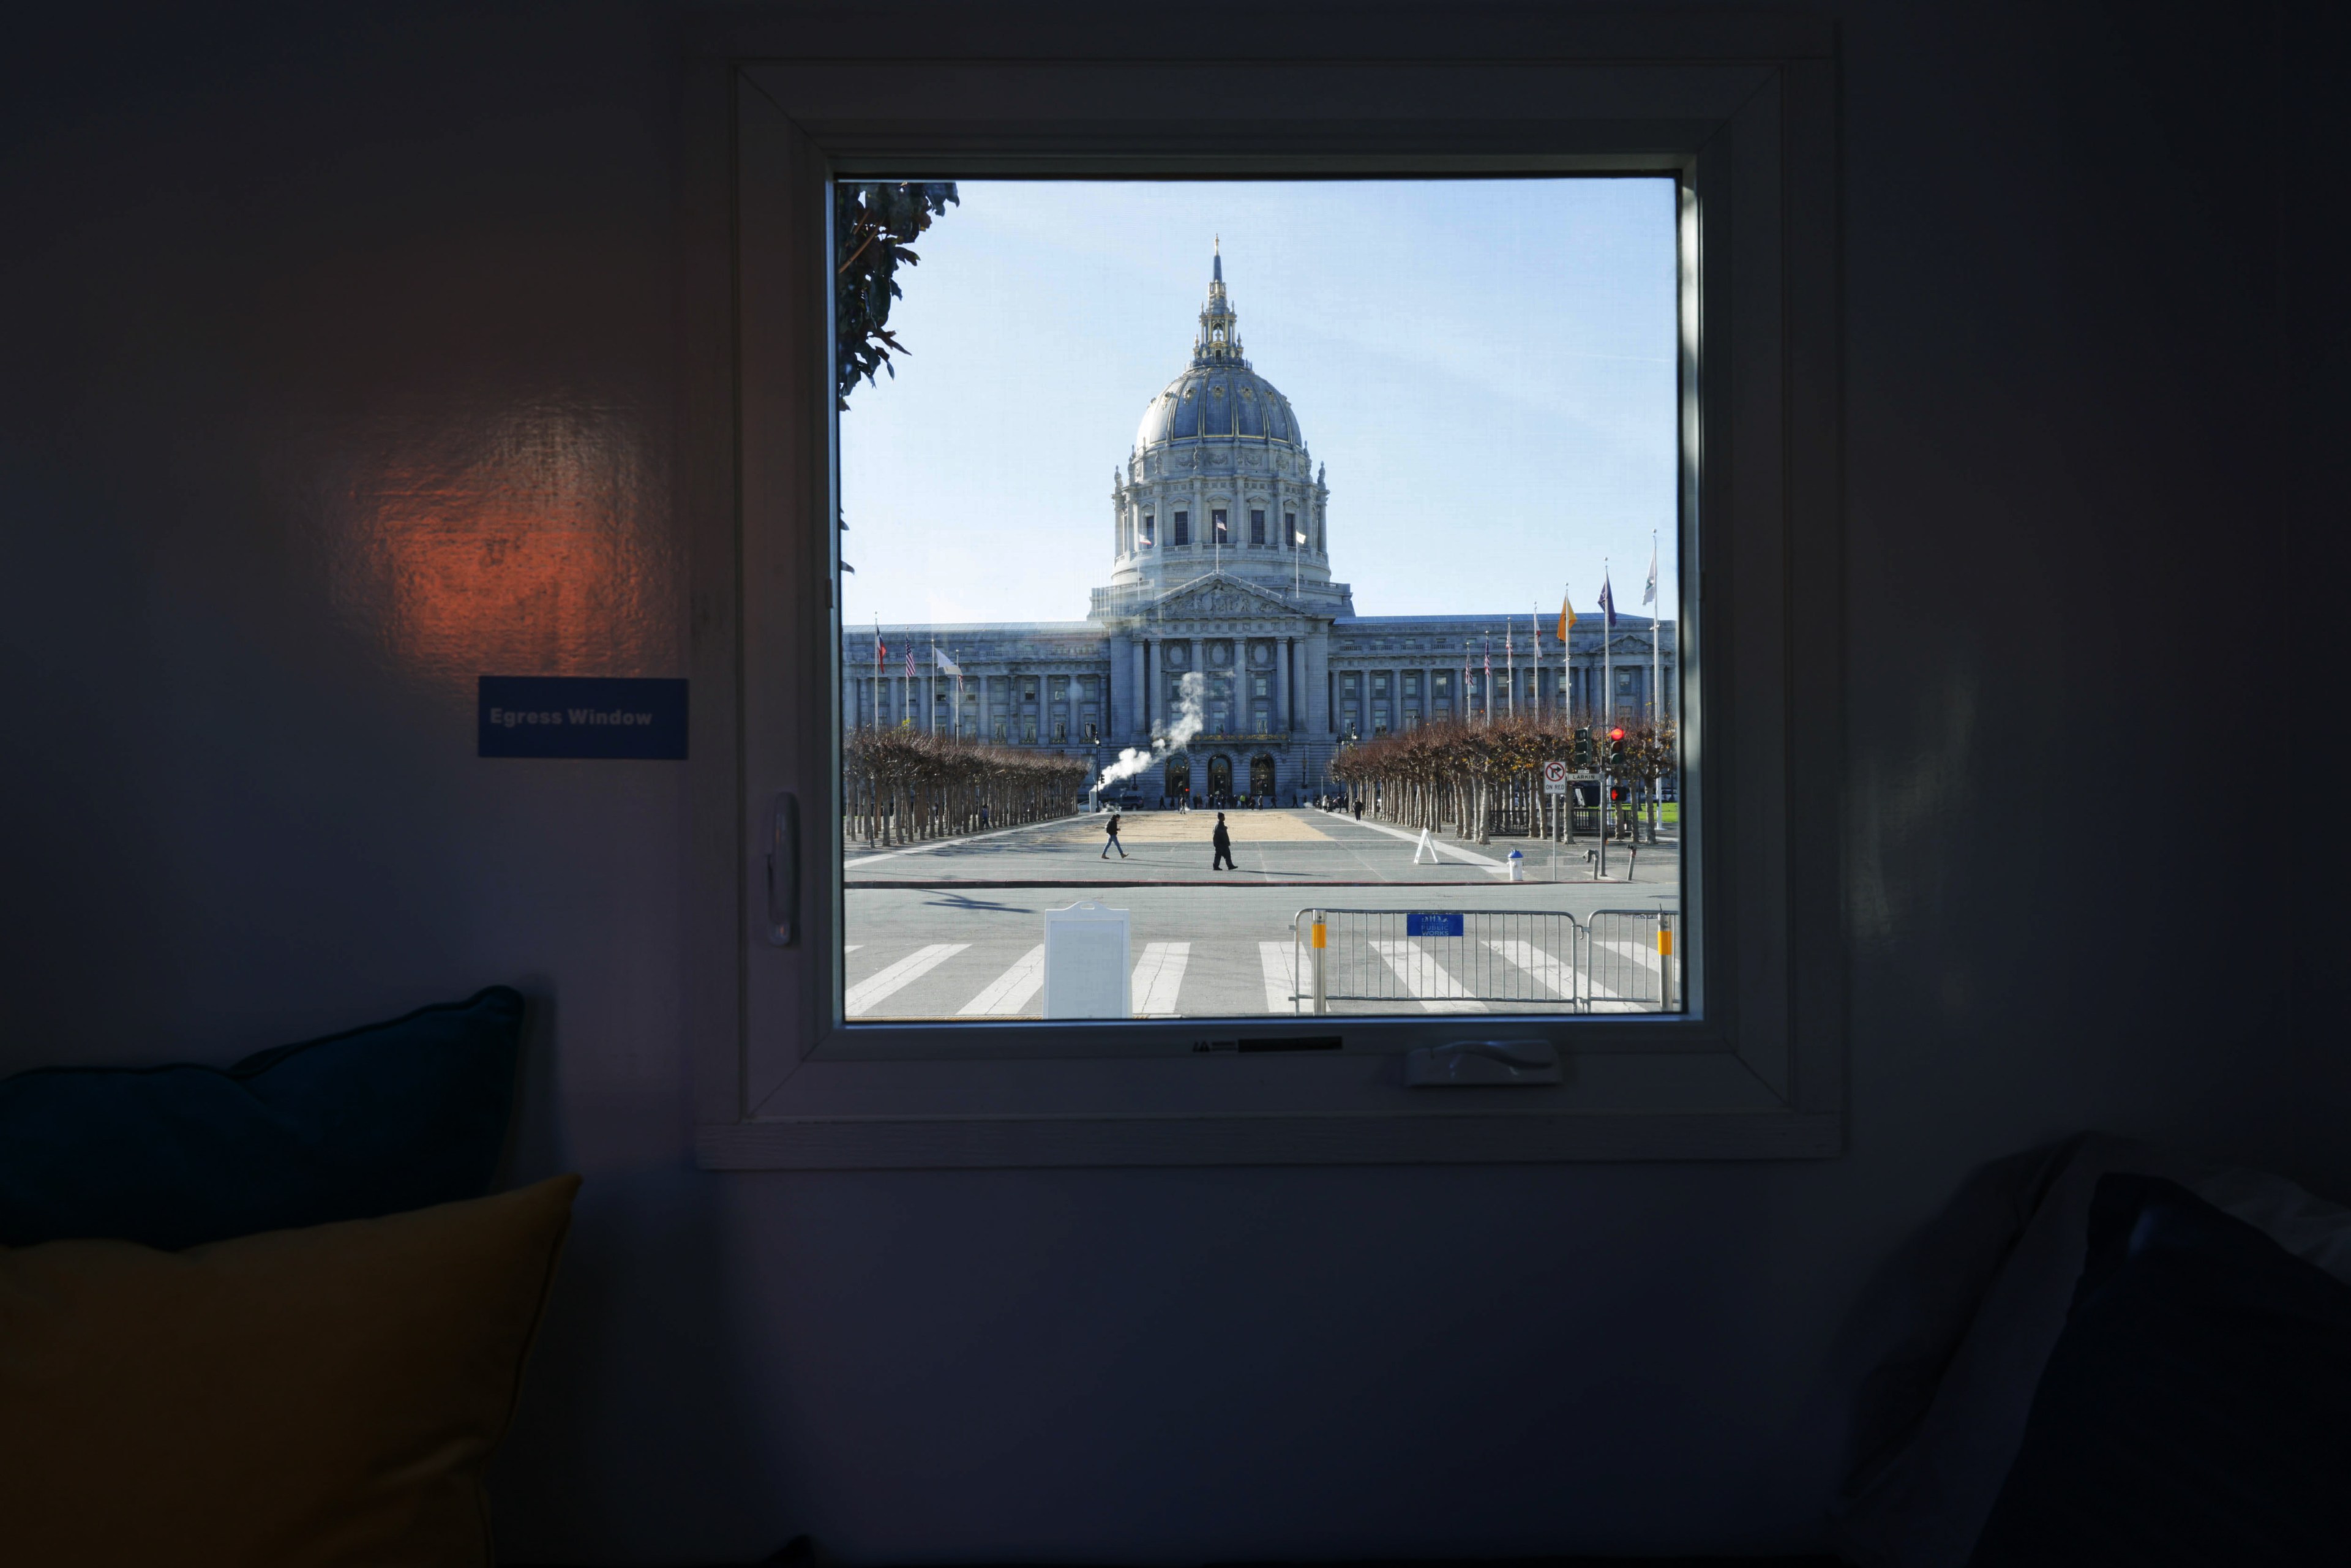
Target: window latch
(1481, 1064)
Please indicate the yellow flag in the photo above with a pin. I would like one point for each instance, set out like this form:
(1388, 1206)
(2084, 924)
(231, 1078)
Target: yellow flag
(1566, 617)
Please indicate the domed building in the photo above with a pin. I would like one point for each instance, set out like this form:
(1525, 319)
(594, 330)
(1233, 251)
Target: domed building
(1220, 565)
(1219, 479)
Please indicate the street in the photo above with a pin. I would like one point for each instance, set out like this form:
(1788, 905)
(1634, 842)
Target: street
(956, 930)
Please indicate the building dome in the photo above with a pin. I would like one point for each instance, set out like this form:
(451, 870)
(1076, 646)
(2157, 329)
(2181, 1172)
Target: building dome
(1219, 401)
(1218, 397)
(1220, 483)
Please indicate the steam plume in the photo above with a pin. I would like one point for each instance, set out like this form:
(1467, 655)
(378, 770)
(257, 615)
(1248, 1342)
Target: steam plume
(1178, 736)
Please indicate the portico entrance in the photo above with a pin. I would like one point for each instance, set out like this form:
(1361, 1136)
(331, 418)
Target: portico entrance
(1179, 777)
(1261, 774)
(1220, 777)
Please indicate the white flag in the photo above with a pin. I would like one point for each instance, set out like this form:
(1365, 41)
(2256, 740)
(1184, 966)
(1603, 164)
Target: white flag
(947, 664)
(1649, 594)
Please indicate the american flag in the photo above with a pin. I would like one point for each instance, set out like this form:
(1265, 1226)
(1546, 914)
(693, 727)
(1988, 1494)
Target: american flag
(910, 662)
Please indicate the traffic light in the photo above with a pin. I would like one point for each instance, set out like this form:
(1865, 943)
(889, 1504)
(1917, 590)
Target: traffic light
(1584, 748)
(1616, 749)
(1618, 794)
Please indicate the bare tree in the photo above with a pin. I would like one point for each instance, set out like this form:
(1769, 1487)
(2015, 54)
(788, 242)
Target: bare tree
(901, 785)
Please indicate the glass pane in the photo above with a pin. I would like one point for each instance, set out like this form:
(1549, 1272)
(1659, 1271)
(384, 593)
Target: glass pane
(1346, 692)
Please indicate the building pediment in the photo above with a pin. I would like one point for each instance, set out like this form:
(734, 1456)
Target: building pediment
(1220, 597)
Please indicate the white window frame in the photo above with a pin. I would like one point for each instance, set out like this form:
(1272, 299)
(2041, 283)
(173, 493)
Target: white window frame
(1740, 110)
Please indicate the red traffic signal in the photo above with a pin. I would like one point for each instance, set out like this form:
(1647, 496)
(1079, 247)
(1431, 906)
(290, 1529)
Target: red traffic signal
(1617, 733)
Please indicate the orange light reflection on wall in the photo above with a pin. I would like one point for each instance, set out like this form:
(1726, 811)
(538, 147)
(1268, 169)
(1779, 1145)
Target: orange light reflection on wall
(534, 543)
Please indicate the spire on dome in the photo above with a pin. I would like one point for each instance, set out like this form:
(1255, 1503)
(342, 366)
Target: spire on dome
(1220, 339)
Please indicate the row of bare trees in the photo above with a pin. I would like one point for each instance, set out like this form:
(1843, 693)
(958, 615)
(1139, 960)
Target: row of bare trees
(1483, 778)
(901, 785)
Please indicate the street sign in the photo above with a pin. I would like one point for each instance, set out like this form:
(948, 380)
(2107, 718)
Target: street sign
(1432, 926)
(1555, 777)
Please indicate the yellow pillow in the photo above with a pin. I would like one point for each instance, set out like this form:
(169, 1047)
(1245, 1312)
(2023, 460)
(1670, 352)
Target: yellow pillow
(329, 1395)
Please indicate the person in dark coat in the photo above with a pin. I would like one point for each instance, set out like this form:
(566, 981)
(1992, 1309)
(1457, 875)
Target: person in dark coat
(1224, 842)
(1111, 842)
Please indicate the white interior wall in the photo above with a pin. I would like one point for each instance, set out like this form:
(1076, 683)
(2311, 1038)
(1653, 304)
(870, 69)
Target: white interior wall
(326, 327)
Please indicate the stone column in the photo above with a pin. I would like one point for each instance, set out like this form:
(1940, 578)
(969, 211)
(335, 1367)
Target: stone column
(1281, 682)
(1320, 717)
(1147, 663)
(1118, 647)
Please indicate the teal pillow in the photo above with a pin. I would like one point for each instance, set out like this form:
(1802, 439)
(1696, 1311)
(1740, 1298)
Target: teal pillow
(371, 1122)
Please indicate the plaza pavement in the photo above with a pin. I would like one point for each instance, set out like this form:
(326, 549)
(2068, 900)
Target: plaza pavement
(956, 930)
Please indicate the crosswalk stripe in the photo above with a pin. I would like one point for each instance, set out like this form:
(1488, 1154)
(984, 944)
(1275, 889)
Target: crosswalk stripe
(1010, 991)
(1425, 979)
(1552, 973)
(853, 946)
(1158, 976)
(1281, 982)
(863, 994)
(1640, 953)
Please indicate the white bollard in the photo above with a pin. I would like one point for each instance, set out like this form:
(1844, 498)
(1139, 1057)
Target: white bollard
(1518, 866)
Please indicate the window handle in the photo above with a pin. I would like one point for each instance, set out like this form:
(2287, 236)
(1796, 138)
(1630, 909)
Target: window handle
(784, 871)
(1486, 1064)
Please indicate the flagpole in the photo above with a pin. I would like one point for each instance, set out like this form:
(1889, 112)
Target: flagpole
(1567, 705)
(1534, 628)
(1566, 655)
(1656, 632)
(1511, 666)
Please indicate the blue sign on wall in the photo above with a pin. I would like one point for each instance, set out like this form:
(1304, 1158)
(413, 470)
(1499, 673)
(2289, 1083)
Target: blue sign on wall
(1432, 926)
(582, 715)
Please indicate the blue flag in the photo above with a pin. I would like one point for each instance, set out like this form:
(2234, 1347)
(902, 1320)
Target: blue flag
(1607, 601)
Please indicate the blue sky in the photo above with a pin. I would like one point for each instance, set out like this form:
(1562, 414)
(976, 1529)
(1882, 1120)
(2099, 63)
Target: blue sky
(1485, 367)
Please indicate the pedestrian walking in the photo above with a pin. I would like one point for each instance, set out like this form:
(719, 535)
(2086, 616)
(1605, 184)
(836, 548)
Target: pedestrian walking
(1224, 842)
(1359, 808)
(1111, 842)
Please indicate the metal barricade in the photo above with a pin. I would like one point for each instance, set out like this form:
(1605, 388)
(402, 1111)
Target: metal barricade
(1631, 964)
(1468, 961)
